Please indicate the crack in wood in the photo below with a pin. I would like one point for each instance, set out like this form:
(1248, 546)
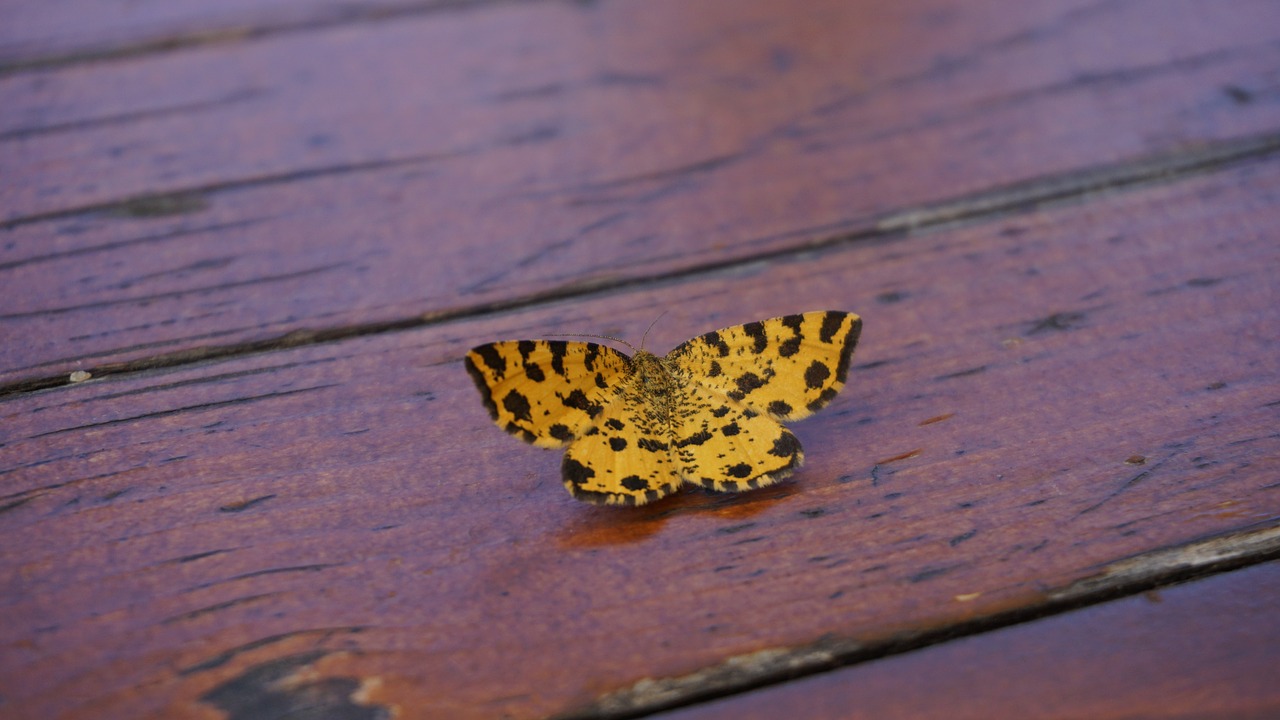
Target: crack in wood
(1131, 482)
(1140, 172)
(145, 299)
(182, 197)
(143, 240)
(96, 122)
(243, 505)
(192, 614)
(187, 408)
(202, 380)
(196, 556)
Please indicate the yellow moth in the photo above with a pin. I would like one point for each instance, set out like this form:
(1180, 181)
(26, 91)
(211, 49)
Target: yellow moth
(709, 412)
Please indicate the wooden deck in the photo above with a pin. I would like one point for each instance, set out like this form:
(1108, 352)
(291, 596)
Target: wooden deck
(244, 247)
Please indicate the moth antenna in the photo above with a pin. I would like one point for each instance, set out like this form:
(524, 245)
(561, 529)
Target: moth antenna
(598, 337)
(646, 330)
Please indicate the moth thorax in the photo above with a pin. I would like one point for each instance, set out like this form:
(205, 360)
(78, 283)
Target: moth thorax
(655, 379)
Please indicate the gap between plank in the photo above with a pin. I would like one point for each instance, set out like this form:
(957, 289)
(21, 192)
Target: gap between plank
(984, 206)
(1140, 573)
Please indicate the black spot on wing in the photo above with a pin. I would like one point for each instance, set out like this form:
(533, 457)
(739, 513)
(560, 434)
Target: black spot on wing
(492, 359)
(618, 444)
(652, 445)
(517, 405)
(614, 424)
(558, 351)
(846, 353)
(780, 408)
(578, 401)
(831, 323)
(731, 429)
(760, 340)
(822, 400)
(575, 399)
(786, 445)
(526, 348)
(789, 347)
(635, 482)
(482, 384)
(560, 432)
(697, 438)
(740, 470)
(590, 356)
(600, 383)
(714, 370)
(534, 372)
(596, 497)
(748, 382)
(531, 369)
(816, 375)
(714, 340)
(720, 411)
(575, 473)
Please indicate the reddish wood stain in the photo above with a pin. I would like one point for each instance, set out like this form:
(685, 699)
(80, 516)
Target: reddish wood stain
(900, 456)
(245, 246)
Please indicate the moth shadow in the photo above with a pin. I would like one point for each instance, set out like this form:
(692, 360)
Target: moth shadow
(600, 526)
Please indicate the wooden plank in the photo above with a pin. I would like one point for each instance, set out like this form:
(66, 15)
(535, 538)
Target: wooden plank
(36, 34)
(1034, 401)
(1204, 649)
(235, 194)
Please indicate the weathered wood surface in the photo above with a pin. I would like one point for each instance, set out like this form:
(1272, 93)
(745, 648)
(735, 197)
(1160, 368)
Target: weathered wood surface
(362, 175)
(1050, 407)
(1038, 399)
(1205, 649)
(40, 34)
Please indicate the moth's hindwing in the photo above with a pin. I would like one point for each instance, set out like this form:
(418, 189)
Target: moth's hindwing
(726, 446)
(624, 458)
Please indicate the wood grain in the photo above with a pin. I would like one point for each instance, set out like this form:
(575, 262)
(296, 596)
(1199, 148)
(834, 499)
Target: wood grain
(365, 175)
(1036, 399)
(1204, 649)
(41, 34)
